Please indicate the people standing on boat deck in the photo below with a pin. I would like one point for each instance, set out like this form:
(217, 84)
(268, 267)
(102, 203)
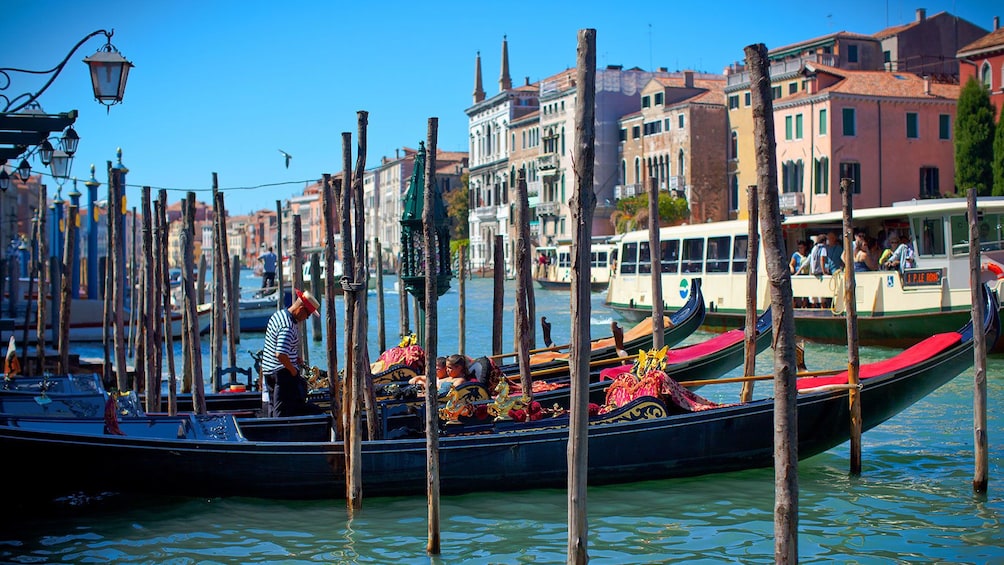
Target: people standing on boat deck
(280, 366)
(834, 254)
(799, 263)
(817, 256)
(268, 260)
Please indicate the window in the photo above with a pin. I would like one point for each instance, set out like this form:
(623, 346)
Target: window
(623, 136)
(791, 176)
(822, 122)
(670, 251)
(792, 87)
(822, 175)
(733, 101)
(798, 126)
(667, 122)
(852, 171)
(718, 255)
(635, 132)
(887, 58)
(929, 182)
(747, 100)
(693, 255)
(932, 237)
(646, 101)
(787, 128)
(734, 145)
(644, 259)
(775, 92)
(740, 250)
(852, 53)
(987, 75)
(658, 98)
(734, 193)
(629, 259)
(911, 125)
(680, 120)
(637, 169)
(944, 126)
(850, 125)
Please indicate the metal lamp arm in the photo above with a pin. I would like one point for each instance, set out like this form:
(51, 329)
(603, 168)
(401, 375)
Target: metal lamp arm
(9, 107)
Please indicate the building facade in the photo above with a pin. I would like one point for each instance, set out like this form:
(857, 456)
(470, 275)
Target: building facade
(983, 59)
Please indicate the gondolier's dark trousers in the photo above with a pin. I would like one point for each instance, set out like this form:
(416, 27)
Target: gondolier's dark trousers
(287, 395)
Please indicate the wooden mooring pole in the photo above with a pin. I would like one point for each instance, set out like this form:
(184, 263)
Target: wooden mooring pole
(431, 338)
(328, 210)
(381, 313)
(315, 287)
(216, 352)
(779, 281)
(498, 296)
(752, 265)
(462, 299)
(43, 275)
(168, 318)
(981, 440)
(230, 298)
(350, 396)
(364, 380)
(582, 206)
(66, 284)
(298, 284)
(193, 352)
(851, 312)
(655, 253)
(524, 321)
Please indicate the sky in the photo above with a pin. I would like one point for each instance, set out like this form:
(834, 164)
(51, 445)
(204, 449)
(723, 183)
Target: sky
(222, 86)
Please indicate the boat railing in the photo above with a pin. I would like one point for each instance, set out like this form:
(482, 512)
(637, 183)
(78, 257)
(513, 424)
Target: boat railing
(962, 248)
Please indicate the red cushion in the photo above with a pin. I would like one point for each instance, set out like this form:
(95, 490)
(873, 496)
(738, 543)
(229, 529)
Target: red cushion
(684, 354)
(919, 352)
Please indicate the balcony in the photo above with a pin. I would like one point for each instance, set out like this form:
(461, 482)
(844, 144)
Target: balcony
(677, 182)
(548, 209)
(627, 190)
(548, 162)
(792, 202)
(485, 213)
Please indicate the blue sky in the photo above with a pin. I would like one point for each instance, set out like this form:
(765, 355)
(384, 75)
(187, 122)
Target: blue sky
(222, 86)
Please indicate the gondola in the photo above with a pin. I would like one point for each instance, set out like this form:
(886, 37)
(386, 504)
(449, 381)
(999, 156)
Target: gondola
(206, 456)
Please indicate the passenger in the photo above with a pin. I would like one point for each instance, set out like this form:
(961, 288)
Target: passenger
(860, 257)
(834, 254)
(799, 263)
(901, 258)
(456, 370)
(873, 251)
(816, 259)
(440, 373)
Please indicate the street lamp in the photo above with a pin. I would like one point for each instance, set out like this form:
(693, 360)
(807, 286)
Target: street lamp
(109, 72)
(412, 244)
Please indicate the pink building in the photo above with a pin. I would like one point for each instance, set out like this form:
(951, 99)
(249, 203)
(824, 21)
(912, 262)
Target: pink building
(984, 59)
(892, 133)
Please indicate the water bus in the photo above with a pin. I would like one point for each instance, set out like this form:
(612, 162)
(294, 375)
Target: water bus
(555, 273)
(894, 308)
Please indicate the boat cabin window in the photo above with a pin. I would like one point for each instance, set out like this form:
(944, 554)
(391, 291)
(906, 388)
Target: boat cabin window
(693, 255)
(670, 255)
(718, 255)
(564, 260)
(740, 249)
(599, 259)
(629, 261)
(930, 236)
(644, 259)
(991, 235)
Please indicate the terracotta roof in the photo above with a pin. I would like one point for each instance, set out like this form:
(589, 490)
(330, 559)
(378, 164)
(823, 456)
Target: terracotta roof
(882, 83)
(895, 30)
(988, 41)
(528, 87)
(839, 34)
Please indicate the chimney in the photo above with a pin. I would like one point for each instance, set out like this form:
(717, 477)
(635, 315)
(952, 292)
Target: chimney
(921, 14)
(526, 81)
(479, 91)
(688, 79)
(397, 152)
(927, 86)
(997, 23)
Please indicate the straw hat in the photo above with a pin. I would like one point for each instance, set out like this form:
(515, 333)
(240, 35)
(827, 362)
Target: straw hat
(309, 302)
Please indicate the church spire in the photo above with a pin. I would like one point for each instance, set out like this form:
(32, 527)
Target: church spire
(505, 83)
(479, 91)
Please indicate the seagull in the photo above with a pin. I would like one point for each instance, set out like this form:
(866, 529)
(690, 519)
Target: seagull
(287, 156)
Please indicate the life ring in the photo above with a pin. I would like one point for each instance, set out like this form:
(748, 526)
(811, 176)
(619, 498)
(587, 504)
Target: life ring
(995, 269)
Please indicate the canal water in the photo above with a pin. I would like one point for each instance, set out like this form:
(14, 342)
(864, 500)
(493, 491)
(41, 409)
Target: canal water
(913, 502)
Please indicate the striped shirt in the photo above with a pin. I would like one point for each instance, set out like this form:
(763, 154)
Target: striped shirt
(281, 336)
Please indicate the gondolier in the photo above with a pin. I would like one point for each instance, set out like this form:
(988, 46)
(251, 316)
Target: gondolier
(268, 261)
(286, 391)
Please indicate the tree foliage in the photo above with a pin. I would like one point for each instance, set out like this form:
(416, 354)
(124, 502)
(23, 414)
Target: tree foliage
(998, 162)
(974, 139)
(457, 210)
(632, 213)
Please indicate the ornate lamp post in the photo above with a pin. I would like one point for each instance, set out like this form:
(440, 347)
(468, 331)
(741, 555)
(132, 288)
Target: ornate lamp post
(412, 244)
(92, 185)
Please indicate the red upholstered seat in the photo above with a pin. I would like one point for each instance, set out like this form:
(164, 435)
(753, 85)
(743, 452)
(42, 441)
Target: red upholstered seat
(919, 352)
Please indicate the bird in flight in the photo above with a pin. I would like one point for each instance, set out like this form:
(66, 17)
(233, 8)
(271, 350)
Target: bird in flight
(287, 156)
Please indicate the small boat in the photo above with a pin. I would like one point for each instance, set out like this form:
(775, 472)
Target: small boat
(207, 456)
(555, 272)
(87, 322)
